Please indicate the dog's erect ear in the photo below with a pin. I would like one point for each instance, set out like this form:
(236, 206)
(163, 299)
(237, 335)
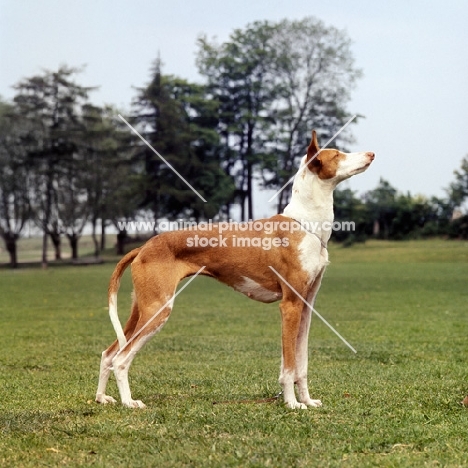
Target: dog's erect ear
(313, 149)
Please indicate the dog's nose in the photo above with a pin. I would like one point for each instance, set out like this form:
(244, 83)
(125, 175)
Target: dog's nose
(371, 155)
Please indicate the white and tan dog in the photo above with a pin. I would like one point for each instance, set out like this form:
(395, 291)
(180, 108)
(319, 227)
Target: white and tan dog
(298, 256)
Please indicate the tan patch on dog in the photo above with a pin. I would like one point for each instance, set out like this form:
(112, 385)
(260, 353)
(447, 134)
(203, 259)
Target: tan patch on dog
(323, 163)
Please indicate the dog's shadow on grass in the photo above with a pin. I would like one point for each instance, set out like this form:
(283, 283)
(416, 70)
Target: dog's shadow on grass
(216, 400)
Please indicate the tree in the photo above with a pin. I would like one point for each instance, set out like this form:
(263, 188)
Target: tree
(275, 82)
(349, 208)
(179, 121)
(110, 190)
(14, 181)
(381, 204)
(458, 190)
(122, 199)
(401, 216)
(458, 193)
(240, 77)
(51, 103)
(412, 214)
(315, 73)
(72, 203)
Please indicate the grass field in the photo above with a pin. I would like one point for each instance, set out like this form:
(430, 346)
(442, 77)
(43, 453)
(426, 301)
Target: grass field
(403, 306)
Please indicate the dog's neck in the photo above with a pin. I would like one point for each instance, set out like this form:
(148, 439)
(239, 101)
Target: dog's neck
(312, 202)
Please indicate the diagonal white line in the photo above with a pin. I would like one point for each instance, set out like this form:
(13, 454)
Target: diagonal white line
(305, 165)
(313, 310)
(163, 159)
(161, 309)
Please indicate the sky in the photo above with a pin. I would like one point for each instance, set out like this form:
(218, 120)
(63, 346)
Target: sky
(413, 54)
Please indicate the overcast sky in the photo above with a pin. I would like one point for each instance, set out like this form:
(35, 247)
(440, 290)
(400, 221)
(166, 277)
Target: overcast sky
(414, 55)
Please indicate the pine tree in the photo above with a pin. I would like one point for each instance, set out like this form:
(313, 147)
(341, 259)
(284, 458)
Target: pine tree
(179, 121)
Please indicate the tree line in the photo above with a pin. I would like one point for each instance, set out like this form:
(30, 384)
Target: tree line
(66, 163)
(385, 213)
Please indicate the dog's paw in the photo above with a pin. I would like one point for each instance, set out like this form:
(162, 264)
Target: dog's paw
(104, 399)
(295, 405)
(134, 404)
(313, 403)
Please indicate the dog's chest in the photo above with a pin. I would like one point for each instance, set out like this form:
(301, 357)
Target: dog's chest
(313, 257)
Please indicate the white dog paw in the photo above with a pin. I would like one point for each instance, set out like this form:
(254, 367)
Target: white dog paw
(295, 405)
(104, 399)
(134, 404)
(313, 403)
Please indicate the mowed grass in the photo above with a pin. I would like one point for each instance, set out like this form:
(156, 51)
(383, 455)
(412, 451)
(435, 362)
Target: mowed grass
(403, 306)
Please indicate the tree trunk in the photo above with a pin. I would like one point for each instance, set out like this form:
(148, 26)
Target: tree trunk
(279, 204)
(242, 204)
(95, 240)
(103, 234)
(283, 200)
(47, 211)
(121, 236)
(10, 244)
(73, 239)
(44, 249)
(57, 242)
(249, 190)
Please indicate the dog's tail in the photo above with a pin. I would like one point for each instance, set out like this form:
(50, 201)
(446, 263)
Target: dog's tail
(114, 285)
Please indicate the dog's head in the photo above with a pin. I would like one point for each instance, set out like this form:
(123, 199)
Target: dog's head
(333, 165)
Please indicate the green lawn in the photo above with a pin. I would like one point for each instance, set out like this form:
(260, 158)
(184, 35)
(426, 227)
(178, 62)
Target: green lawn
(403, 306)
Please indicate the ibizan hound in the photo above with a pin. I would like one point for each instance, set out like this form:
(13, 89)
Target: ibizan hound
(272, 250)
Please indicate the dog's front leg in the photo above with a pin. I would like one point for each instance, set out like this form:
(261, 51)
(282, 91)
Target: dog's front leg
(290, 320)
(302, 350)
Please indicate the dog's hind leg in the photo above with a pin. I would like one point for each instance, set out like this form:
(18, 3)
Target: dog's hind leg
(151, 320)
(104, 373)
(109, 354)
